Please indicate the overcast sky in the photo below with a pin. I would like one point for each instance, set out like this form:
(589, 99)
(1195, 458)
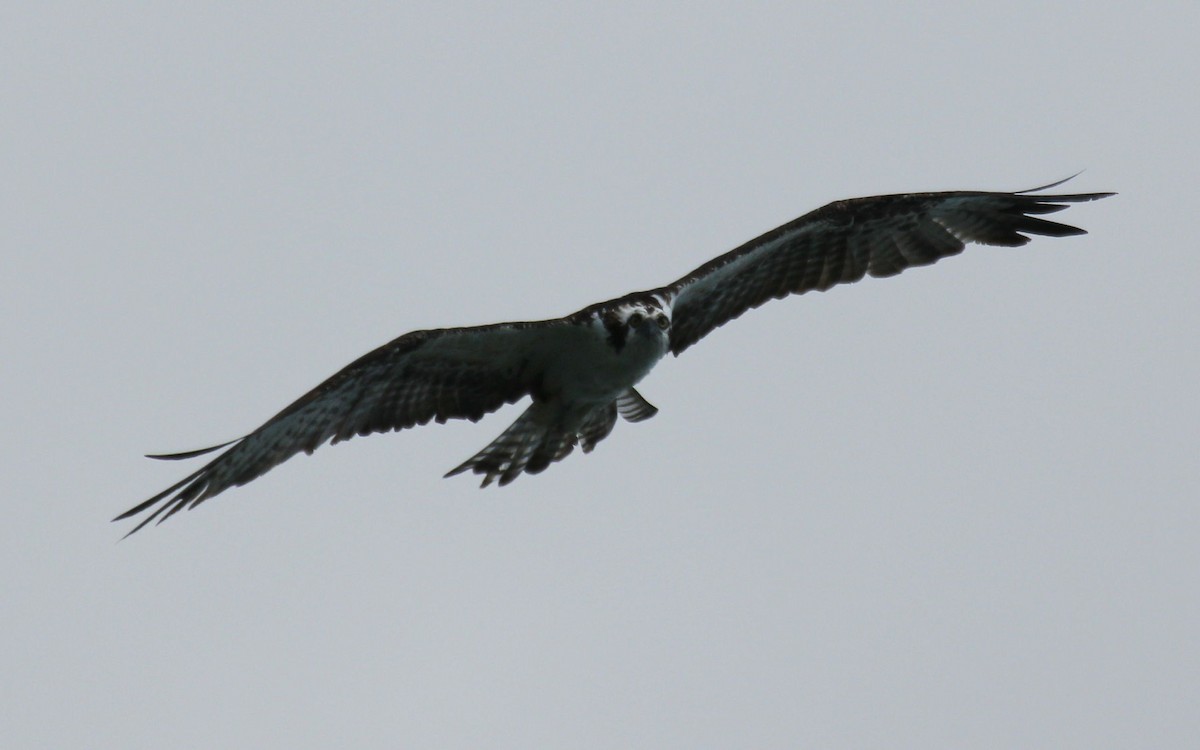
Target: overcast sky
(957, 508)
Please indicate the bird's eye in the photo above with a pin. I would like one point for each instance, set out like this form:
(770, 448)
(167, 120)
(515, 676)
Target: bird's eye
(636, 319)
(663, 322)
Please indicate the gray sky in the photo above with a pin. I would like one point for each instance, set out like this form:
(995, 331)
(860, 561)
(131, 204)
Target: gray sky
(951, 509)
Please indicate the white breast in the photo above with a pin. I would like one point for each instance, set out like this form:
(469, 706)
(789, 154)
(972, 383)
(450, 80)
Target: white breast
(581, 365)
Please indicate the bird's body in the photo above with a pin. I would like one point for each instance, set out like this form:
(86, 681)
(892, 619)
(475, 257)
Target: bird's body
(589, 364)
(580, 370)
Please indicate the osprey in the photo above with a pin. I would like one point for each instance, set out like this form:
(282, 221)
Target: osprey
(580, 370)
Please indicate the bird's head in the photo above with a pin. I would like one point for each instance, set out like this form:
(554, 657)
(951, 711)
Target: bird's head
(643, 320)
(646, 318)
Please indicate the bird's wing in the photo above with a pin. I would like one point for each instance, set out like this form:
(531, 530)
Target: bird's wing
(456, 373)
(849, 239)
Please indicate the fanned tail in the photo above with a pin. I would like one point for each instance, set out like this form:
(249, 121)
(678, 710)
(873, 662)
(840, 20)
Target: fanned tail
(535, 441)
(633, 407)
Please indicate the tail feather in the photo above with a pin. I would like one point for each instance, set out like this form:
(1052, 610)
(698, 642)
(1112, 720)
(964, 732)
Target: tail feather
(598, 425)
(510, 450)
(518, 459)
(536, 440)
(553, 446)
(633, 407)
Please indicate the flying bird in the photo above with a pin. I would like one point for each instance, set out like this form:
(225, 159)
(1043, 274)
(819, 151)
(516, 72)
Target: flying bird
(580, 370)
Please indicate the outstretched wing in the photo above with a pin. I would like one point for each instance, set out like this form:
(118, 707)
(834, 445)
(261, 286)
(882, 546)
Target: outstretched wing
(421, 376)
(849, 239)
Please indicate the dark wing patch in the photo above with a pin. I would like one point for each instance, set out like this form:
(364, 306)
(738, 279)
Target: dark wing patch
(458, 373)
(847, 240)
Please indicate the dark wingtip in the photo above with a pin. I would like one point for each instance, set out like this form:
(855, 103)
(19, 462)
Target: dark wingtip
(189, 454)
(147, 504)
(1052, 184)
(1071, 198)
